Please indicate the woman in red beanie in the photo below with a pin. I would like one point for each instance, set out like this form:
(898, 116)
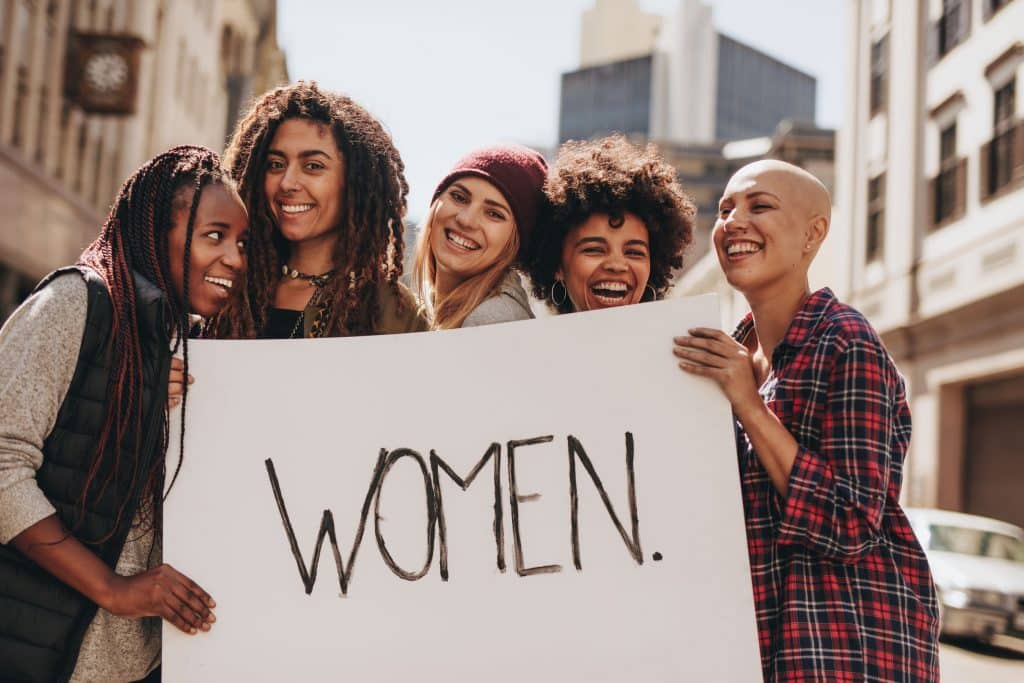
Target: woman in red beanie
(479, 219)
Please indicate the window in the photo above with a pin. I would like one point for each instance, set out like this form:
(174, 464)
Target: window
(949, 187)
(1000, 155)
(876, 218)
(953, 26)
(879, 74)
(990, 7)
(1005, 104)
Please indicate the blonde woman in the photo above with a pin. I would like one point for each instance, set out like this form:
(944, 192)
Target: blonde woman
(480, 217)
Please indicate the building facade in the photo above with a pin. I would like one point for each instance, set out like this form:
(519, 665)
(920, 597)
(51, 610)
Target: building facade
(61, 163)
(931, 166)
(675, 79)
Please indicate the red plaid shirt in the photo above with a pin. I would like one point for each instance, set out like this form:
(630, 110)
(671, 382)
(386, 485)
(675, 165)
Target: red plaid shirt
(841, 586)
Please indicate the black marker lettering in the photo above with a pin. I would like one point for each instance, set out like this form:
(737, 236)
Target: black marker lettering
(513, 497)
(436, 465)
(326, 529)
(633, 545)
(392, 458)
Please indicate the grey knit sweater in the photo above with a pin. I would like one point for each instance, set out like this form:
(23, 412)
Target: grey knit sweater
(508, 304)
(39, 347)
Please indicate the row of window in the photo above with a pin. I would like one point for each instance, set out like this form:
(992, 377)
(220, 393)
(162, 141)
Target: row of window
(949, 30)
(954, 25)
(1000, 167)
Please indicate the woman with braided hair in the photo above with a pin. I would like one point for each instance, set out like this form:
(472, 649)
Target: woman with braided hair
(326, 194)
(84, 366)
(617, 225)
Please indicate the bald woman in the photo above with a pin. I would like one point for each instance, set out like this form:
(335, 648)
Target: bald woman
(842, 588)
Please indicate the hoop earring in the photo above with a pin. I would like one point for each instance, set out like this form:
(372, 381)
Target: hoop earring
(654, 293)
(565, 293)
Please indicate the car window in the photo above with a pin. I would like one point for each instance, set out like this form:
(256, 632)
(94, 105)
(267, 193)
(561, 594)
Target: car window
(975, 542)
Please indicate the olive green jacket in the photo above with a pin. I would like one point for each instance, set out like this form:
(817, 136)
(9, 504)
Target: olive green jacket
(398, 313)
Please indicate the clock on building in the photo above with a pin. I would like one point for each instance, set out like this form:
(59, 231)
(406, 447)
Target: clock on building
(102, 72)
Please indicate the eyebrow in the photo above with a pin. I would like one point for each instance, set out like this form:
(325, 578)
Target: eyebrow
(751, 195)
(491, 202)
(642, 243)
(302, 155)
(587, 240)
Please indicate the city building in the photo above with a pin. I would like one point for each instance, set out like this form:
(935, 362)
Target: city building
(930, 167)
(675, 79)
(90, 89)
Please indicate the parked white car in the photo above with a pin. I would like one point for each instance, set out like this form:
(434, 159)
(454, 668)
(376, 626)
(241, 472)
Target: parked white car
(978, 567)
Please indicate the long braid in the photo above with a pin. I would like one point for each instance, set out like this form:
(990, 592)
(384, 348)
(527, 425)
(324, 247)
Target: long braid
(370, 244)
(134, 238)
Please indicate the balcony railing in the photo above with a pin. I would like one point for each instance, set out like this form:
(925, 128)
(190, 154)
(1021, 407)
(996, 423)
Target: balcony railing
(1002, 162)
(948, 192)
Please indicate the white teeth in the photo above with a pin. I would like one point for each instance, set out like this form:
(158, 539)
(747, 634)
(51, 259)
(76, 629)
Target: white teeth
(295, 208)
(223, 282)
(611, 286)
(461, 241)
(742, 248)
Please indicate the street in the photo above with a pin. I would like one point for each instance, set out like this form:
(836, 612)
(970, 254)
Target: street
(966, 662)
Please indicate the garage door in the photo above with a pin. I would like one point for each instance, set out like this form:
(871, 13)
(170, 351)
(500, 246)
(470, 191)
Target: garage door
(994, 459)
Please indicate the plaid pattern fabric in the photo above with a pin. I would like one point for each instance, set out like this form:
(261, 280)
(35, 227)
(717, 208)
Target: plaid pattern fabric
(842, 588)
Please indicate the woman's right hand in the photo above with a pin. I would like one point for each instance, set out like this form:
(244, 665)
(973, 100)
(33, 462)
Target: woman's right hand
(176, 382)
(165, 592)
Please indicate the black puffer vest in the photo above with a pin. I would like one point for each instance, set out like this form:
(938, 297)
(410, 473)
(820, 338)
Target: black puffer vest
(42, 621)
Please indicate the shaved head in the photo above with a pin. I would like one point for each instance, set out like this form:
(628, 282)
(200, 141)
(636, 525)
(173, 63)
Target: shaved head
(801, 190)
(772, 220)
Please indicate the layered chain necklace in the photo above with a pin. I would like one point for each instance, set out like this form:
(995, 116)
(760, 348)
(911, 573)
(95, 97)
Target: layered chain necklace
(317, 282)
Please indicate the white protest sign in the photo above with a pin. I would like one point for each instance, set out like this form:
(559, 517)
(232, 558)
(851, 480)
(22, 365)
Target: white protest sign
(550, 500)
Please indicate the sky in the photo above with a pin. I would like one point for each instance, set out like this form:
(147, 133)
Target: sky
(447, 76)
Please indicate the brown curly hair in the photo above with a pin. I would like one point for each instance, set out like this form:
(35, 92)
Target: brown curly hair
(373, 206)
(611, 176)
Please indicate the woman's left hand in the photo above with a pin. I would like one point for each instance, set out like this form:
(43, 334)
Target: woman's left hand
(714, 354)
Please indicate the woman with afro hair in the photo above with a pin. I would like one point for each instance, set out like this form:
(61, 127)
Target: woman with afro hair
(326, 194)
(616, 225)
(84, 366)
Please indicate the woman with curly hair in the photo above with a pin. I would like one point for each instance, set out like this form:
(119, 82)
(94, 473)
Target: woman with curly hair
(617, 224)
(326, 194)
(480, 215)
(84, 364)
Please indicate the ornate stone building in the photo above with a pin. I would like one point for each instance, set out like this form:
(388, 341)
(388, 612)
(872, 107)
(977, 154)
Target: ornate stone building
(89, 89)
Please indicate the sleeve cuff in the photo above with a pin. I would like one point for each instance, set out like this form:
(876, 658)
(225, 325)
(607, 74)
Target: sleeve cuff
(802, 512)
(22, 505)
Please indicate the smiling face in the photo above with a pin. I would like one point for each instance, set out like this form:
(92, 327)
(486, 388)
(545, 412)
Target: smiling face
(603, 265)
(217, 257)
(772, 218)
(471, 227)
(304, 181)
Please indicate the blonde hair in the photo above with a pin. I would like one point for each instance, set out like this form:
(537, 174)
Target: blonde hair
(450, 311)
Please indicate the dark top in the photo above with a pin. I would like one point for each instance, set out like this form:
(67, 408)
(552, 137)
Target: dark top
(281, 323)
(42, 620)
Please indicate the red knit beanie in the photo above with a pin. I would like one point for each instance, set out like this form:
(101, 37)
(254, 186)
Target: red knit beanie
(517, 171)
